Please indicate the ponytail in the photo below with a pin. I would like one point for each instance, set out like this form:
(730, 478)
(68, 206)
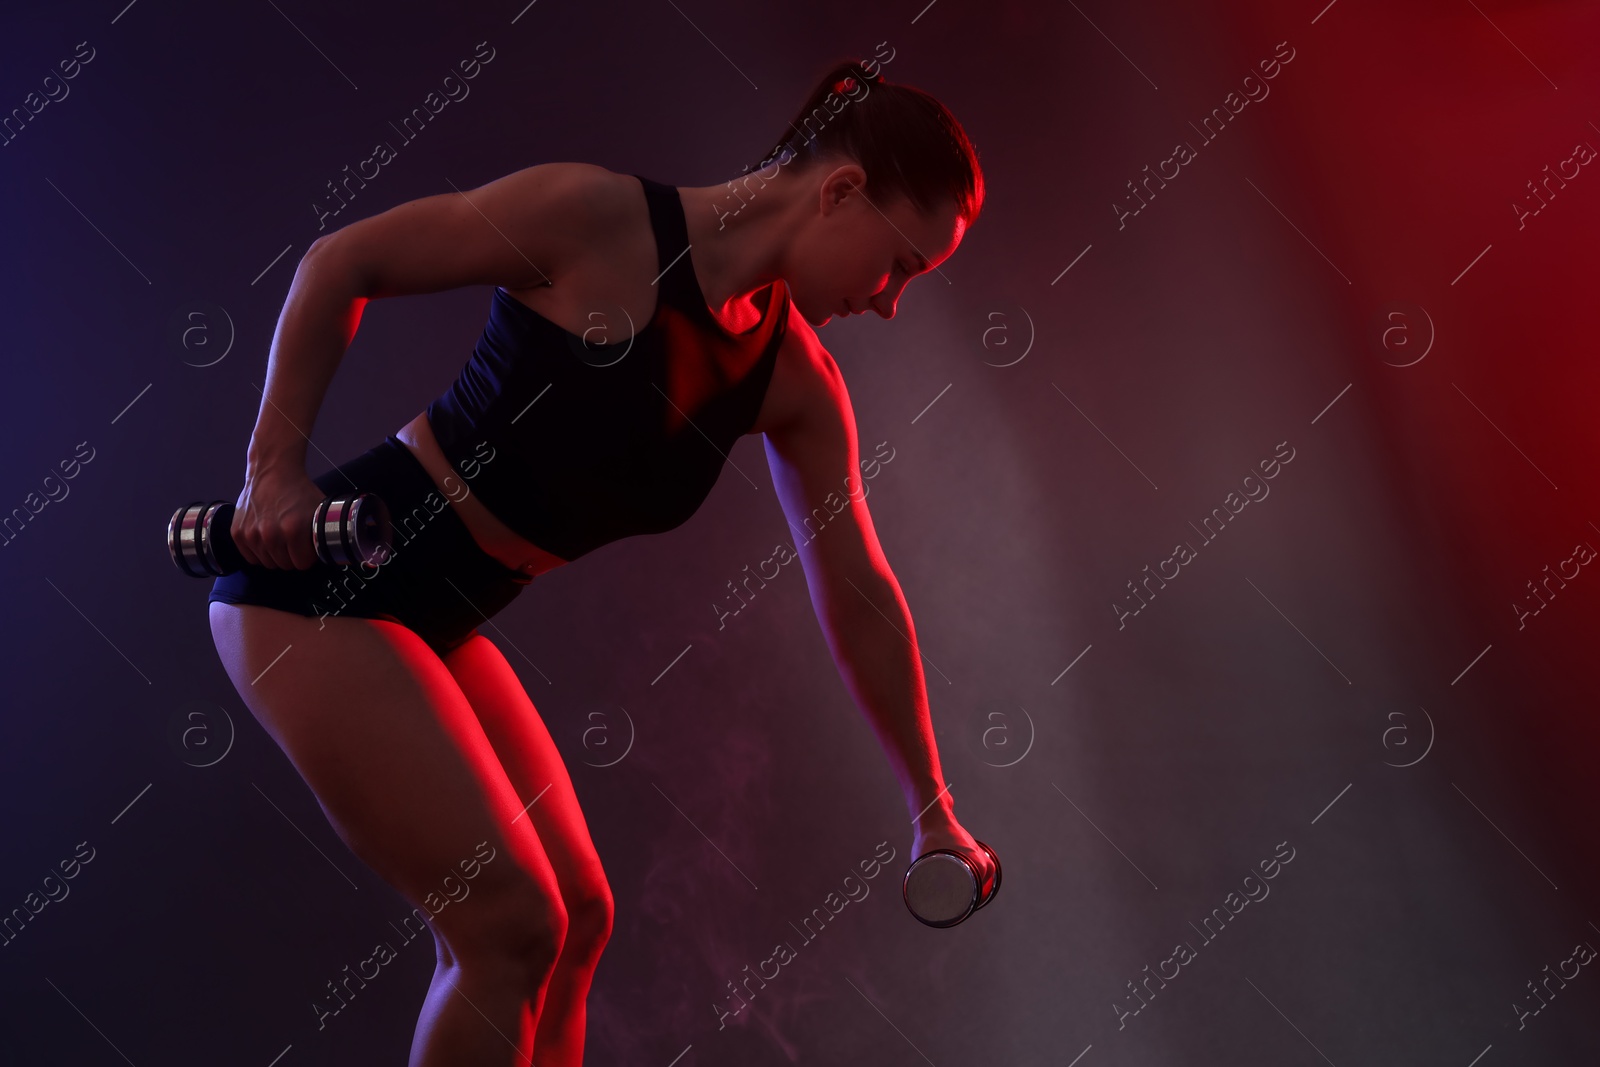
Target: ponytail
(908, 142)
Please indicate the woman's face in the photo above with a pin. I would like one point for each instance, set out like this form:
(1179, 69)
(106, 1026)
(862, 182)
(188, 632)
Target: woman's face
(857, 255)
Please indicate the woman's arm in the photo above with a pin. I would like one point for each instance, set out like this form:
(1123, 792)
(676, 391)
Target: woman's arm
(515, 231)
(858, 603)
(318, 321)
(869, 631)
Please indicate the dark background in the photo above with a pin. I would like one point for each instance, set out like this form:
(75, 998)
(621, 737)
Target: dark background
(1358, 619)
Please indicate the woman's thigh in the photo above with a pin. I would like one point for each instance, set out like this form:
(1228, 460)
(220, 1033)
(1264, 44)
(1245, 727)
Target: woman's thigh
(394, 752)
(534, 766)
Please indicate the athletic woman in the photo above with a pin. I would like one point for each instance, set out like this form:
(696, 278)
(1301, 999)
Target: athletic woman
(616, 371)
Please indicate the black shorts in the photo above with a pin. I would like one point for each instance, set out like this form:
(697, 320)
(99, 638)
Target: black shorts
(437, 581)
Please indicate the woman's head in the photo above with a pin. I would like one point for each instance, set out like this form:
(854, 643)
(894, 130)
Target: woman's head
(894, 182)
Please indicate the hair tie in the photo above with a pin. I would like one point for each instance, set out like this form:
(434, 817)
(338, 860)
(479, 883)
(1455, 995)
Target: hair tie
(845, 85)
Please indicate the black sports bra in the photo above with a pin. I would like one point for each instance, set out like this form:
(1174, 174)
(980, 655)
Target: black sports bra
(575, 444)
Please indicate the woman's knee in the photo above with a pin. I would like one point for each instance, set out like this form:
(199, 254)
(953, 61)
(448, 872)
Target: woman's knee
(591, 913)
(519, 933)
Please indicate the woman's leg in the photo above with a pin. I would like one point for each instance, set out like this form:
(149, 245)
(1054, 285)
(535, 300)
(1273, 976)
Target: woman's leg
(394, 753)
(535, 768)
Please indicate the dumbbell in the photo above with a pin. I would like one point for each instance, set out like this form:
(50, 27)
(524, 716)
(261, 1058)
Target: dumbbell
(346, 530)
(941, 888)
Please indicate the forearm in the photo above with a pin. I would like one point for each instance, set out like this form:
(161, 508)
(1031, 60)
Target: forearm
(318, 321)
(870, 633)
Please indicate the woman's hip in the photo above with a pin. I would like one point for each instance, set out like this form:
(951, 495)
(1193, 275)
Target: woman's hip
(436, 579)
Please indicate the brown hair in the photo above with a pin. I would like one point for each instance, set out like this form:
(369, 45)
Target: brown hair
(908, 142)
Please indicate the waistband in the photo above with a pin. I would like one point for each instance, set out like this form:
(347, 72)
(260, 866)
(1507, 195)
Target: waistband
(423, 484)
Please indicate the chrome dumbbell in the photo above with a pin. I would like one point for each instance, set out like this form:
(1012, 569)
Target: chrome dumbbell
(941, 888)
(346, 530)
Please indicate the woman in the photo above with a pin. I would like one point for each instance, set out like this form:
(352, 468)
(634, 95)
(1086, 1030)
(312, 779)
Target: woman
(573, 425)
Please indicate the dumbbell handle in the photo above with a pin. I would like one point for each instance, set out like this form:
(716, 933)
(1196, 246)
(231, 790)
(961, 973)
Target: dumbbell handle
(344, 530)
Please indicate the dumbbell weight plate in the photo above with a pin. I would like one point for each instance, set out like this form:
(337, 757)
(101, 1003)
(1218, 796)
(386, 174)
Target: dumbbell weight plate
(995, 888)
(352, 530)
(193, 541)
(941, 889)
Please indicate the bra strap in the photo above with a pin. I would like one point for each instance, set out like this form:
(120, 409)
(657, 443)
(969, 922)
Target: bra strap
(671, 229)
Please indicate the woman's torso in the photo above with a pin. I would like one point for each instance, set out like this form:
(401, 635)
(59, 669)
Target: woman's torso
(615, 274)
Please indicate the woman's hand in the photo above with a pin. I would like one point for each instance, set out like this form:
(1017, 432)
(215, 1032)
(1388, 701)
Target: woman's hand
(271, 525)
(946, 832)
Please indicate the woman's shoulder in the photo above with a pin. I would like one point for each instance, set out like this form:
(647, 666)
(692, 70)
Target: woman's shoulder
(600, 210)
(575, 195)
(591, 184)
(807, 387)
